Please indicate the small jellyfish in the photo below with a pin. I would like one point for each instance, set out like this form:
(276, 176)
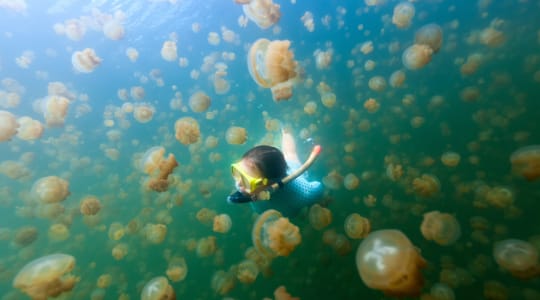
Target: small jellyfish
(206, 246)
(168, 51)
(85, 61)
(132, 54)
(450, 159)
(388, 261)
(356, 226)
(430, 35)
(155, 233)
(58, 232)
(492, 37)
(120, 251)
(403, 14)
(223, 282)
(116, 231)
(264, 13)
(222, 223)
(319, 217)
(90, 205)
(25, 236)
(187, 130)
(205, 216)
(351, 181)
(199, 102)
(236, 135)
(29, 129)
(273, 235)
(113, 30)
(397, 79)
(416, 56)
(526, 162)
(442, 228)
(47, 276)
(177, 269)
(54, 109)
(518, 257)
(377, 83)
(158, 288)
(50, 189)
(143, 112)
(426, 186)
(371, 105)
(247, 271)
(104, 281)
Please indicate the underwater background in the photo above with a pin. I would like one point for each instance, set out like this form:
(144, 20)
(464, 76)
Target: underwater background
(477, 97)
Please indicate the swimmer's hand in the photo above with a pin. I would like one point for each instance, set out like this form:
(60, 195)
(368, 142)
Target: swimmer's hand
(264, 195)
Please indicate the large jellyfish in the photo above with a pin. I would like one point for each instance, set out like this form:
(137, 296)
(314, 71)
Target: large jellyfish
(388, 261)
(47, 276)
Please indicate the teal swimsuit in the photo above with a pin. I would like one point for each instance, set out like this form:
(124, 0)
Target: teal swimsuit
(292, 197)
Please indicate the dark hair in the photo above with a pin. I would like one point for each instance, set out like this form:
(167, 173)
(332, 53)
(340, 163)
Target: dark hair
(269, 160)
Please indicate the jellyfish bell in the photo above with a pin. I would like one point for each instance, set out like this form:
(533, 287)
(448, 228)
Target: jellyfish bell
(416, 56)
(271, 63)
(236, 135)
(356, 226)
(8, 125)
(518, 257)
(47, 276)
(388, 261)
(264, 13)
(187, 130)
(442, 228)
(319, 217)
(29, 129)
(273, 235)
(50, 189)
(403, 14)
(85, 61)
(158, 288)
(430, 35)
(199, 102)
(526, 162)
(54, 108)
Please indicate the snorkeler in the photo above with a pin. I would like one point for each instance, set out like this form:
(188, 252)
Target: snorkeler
(272, 179)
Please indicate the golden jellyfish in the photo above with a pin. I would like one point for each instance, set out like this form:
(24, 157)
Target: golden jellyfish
(90, 205)
(132, 54)
(351, 181)
(120, 251)
(58, 232)
(518, 257)
(177, 269)
(377, 83)
(29, 129)
(389, 262)
(137, 92)
(371, 105)
(319, 217)
(50, 189)
(25, 236)
(158, 288)
(199, 102)
(323, 59)
(236, 135)
(168, 51)
(500, 196)
(403, 14)
(211, 142)
(206, 246)
(205, 216)
(187, 130)
(328, 99)
(264, 13)
(356, 226)
(222, 223)
(151, 159)
(155, 233)
(492, 37)
(47, 276)
(104, 281)
(143, 112)
(247, 271)
(333, 180)
(273, 235)
(222, 282)
(442, 291)
(85, 61)
(271, 65)
(113, 30)
(416, 56)
(160, 182)
(430, 35)
(15, 170)
(442, 228)
(526, 162)
(116, 231)
(281, 294)
(54, 109)
(426, 186)
(310, 108)
(8, 125)
(450, 159)
(397, 79)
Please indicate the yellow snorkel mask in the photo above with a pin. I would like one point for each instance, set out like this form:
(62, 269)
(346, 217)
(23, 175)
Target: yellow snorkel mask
(251, 184)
